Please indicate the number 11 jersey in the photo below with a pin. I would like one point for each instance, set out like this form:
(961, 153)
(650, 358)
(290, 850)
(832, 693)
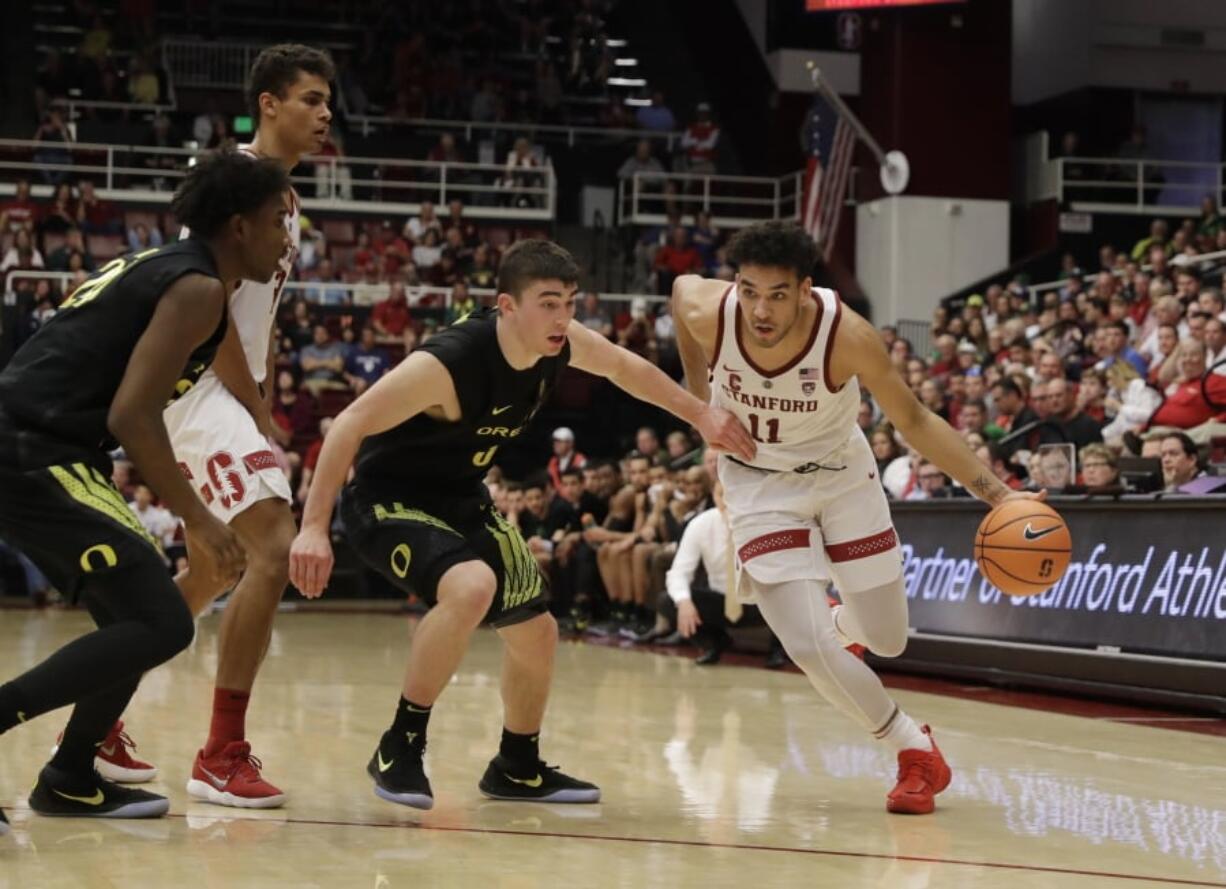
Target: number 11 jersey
(794, 413)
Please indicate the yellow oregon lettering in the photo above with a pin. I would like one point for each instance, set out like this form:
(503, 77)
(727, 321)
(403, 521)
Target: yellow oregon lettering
(109, 559)
(483, 458)
(93, 287)
(402, 557)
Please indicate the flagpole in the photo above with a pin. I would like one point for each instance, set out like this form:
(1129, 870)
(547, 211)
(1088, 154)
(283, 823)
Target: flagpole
(895, 171)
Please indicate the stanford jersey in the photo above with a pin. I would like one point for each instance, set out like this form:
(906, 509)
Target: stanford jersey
(793, 413)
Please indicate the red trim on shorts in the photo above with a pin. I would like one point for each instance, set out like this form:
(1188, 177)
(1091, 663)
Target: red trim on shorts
(808, 346)
(834, 328)
(186, 470)
(795, 538)
(206, 494)
(719, 331)
(259, 461)
(862, 548)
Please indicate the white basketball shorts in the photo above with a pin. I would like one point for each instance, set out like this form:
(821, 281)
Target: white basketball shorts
(831, 524)
(221, 451)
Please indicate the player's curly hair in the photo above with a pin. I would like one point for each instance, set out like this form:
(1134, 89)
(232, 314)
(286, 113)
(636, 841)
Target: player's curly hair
(535, 259)
(774, 244)
(276, 68)
(222, 184)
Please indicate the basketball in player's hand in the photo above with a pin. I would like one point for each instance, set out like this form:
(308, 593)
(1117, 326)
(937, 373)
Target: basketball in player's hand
(1023, 547)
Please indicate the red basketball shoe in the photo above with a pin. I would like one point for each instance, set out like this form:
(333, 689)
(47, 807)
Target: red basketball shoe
(114, 762)
(232, 778)
(922, 774)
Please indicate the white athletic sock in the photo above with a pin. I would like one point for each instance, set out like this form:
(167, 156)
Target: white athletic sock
(903, 733)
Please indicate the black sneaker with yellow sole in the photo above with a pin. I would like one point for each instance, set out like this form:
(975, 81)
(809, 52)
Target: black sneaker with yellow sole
(61, 795)
(539, 783)
(400, 775)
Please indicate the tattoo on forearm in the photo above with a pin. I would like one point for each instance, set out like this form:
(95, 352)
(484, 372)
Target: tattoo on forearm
(982, 485)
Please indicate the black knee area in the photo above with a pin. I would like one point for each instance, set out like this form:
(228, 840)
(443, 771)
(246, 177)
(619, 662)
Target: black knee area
(144, 596)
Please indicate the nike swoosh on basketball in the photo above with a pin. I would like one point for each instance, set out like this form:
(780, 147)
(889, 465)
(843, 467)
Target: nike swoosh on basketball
(383, 766)
(499, 410)
(96, 800)
(530, 782)
(1031, 534)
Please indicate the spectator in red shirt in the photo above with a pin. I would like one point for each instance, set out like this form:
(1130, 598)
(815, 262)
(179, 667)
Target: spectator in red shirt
(311, 460)
(700, 141)
(677, 257)
(1185, 405)
(564, 456)
(391, 316)
(21, 212)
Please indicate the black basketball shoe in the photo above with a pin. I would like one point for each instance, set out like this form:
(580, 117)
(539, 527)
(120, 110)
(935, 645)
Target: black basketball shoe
(399, 775)
(539, 783)
(61, 795)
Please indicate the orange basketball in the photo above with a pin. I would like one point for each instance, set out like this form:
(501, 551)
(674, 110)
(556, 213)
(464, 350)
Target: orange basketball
(1023, 547)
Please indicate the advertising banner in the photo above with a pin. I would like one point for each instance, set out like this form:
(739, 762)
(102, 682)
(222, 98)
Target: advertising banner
(1145, 578)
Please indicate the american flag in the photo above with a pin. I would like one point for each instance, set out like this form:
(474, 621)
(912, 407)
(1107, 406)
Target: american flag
(830, 143)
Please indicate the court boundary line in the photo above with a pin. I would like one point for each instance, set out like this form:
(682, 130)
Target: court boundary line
(701, 844)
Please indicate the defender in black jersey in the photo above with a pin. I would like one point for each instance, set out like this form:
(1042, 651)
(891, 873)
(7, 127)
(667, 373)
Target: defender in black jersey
(97, 376)
(417, 511)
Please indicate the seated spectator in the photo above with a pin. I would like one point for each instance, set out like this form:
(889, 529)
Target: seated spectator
(1215, 343)
(677, 257)
(699, 142)
(141, 237)
(706, 613)
(322, 363)
(161, 135)
(52, 153)
(311, 460)
(428, 250)
(642, 161)
(462, 303)
(23, 254)
(160, 523)
(469, 233)
(933, 485)
(332, 177)
(1092, 394)
(62, 215)
(483, 271)
(319, 293)
(1185, 406)
(94, 215)
(515, 177)
(366, 362)
(1180, 460)
(1066, 422)
(565, 456)
(639, 335)
(1099, 468)
(21, 212)
(656, 116)
(1165, 364)
(594, 315)
(391, 316)
(444, 151)
(301, 329)
(313, 246)
(677, 444)
(74, 243)
(996, 458)
(1115, 344)
(1130, 402)
(1167, 310)
(292, 410)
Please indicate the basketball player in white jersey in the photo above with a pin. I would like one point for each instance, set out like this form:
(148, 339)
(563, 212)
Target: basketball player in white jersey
(219, 431)
(787, 359)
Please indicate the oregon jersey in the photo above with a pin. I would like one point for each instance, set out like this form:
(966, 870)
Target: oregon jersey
(496, 404)
(59, 386)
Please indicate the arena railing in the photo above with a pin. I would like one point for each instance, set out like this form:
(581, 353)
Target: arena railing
(732, 201)
(1119, 185)
(1199, 261)
(384, 186)
(414, 294)
(539, 132)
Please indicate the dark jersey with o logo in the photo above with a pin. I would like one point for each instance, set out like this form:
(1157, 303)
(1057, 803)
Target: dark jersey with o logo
(58, 389)
(496, 404)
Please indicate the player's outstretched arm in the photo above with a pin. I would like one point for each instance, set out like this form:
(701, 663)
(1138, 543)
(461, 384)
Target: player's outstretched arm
(416, 384)
(858, 351)
(186, 315)
(646, 382)
(695, 307)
